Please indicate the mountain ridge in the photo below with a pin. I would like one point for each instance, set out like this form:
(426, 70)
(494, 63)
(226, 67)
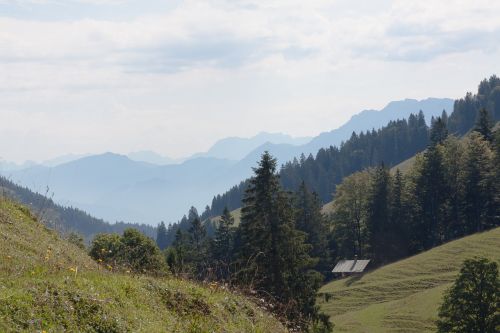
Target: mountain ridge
(121, 189)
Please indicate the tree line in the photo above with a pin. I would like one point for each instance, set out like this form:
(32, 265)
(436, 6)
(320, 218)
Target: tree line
(66, 219)
(392, 144)
(280, 251)
(285, 247)
(451, 190)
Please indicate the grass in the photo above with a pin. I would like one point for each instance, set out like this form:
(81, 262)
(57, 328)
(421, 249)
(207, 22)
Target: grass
(50, 285)
(236, 214)
(403, 296)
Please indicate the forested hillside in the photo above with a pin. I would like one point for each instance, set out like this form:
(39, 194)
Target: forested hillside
(66, 219)
(284, 246)
(390, 145)
(403, 296)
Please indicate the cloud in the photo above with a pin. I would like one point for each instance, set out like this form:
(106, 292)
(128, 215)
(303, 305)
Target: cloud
(148, 72)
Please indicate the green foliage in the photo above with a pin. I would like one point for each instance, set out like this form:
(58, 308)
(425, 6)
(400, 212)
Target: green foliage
(162, 236)
(310, 220)
(484, 124)
(451, 190)
(472, 303)
(403, 296)
(132, 251)
(273, 252)
(378, 215)
(439, 132)
(48, 284)
(65, 219)
(349, 215)
(77, 240)
(222, 245)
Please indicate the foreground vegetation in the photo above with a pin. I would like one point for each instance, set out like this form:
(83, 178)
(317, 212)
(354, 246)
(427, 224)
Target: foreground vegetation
(404, 296)
(48, 284)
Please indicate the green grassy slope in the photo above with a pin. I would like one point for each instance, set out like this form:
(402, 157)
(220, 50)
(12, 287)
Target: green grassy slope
(48, 284)
(404, 296)
(236, 214)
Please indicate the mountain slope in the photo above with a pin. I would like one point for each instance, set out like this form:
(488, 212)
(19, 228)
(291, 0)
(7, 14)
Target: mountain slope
(403, 296)
(365, 120)
(116, 188)
(235, 148)
(63, 218)
(48, 284)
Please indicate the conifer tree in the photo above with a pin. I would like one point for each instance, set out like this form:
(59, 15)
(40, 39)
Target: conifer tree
(439, 132)
(479, 204)
(483, 124)
(378, 216)
(223, 243)
(430, 196)
(198, 246)
(197, 234)
(161, 236)
(273, 252)
(310, 220)
(399, 214)
(183, 254)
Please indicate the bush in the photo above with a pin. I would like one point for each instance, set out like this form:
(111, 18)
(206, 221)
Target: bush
(77, 240)
(133, 251)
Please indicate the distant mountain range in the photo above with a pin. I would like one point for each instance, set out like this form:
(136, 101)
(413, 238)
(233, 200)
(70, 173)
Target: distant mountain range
(147, 187)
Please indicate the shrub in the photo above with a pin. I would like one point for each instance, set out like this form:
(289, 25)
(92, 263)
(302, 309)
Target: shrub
(132, 251)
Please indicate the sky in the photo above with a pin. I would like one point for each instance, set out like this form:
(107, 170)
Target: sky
(89, 76)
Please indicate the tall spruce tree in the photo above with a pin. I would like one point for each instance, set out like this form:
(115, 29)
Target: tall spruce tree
(439, 131)
(479, 206)
(311, 220)
(430, 194)
(223, 244)
(273, 252)
(483, 124)
(198, 243)
(161, 236)
(399, 215)
(378, 217)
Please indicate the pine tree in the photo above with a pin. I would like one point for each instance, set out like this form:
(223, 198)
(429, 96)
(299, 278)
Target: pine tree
(378, 215)
(273, 252)
(399, 215)
(479, 206)
(483, 124)
(439, 132)
(310, 220)
(198, 243)
(453, 164)
(161, 236)
(223, 243)
(183, 254)
(430, 194)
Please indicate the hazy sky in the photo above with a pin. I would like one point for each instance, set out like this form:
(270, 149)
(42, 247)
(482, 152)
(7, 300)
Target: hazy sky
(87, 76)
